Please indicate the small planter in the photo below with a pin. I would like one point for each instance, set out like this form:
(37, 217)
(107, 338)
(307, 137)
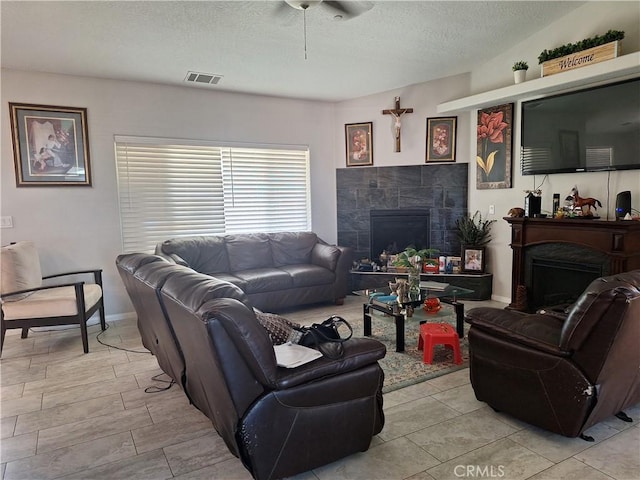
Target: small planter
(583, 58)
(519, 76)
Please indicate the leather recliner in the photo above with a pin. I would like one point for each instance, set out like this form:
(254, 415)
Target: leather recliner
(561, 374)
(278, 421)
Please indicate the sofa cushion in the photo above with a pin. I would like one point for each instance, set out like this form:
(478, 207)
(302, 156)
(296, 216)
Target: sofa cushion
(290, 248)
(248, 251)
(309, 275)
(265, 280)
(20, 266)
(205, 254)
(229, 277)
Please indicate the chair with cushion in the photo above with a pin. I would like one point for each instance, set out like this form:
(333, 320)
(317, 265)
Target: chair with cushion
(561, 374)
(27, 302)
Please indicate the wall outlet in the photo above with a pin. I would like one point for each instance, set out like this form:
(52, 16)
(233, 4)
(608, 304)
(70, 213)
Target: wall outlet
(6, 222)
(492, 209)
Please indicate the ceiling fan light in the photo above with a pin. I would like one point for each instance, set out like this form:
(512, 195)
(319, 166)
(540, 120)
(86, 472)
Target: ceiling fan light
(303, 4)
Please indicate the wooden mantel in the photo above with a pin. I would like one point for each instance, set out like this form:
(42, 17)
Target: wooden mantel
(619, 240)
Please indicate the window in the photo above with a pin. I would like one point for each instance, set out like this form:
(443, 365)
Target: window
(173, 188)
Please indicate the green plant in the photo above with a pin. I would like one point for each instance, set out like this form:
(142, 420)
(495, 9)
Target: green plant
(521, 65)
(473, 230)
(408, 257)
(569, 48)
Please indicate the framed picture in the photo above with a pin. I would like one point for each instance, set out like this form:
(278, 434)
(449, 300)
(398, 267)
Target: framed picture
(359, 142)
(441, 139)
(495, 127)
(473, 260)
(50, 145)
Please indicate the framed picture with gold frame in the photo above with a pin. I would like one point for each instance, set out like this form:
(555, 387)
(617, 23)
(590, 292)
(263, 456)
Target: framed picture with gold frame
(50, 145)
(441, 139)
(359, 144)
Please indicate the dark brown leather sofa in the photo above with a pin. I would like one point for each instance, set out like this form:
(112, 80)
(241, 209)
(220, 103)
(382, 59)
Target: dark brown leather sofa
(561, 374)
(275, 270)
(278, 421)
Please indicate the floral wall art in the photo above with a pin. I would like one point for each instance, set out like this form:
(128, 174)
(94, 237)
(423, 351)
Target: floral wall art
(495, 126)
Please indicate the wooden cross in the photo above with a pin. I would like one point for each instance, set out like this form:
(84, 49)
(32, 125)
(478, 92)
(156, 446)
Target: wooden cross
(397, 113)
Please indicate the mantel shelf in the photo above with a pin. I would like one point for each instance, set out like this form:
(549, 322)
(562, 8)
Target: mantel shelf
(620, 68)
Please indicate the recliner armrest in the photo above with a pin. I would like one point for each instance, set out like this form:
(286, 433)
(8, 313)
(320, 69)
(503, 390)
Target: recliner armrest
(358, 352)
(540, 332)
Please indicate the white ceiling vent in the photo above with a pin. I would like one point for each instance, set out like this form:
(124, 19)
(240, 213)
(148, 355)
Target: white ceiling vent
(204, 78)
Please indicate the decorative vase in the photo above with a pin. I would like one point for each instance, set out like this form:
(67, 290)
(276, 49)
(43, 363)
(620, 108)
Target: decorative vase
(414, 283)
(519, 76)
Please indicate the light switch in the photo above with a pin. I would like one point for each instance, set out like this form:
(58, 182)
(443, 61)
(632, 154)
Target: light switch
(6, 222)
(492, 209)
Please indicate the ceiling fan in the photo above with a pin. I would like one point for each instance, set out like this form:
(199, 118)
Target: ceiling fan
(342, 10)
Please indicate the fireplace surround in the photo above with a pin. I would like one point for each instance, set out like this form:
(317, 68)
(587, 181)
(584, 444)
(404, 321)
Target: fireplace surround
(555, 259)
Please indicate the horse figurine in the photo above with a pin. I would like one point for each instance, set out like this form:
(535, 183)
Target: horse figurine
(580, 202)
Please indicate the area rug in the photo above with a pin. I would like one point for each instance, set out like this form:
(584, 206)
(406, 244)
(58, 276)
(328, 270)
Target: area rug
(401, 369)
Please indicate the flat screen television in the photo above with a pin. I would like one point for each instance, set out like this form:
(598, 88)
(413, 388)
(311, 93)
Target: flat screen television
(592, 130)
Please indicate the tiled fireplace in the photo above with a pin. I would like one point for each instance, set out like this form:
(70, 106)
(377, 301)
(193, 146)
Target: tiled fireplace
(430, 195)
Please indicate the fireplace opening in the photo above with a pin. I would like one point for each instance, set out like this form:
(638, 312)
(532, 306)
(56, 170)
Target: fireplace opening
(557, 274)
(560, 283)
(395, 230)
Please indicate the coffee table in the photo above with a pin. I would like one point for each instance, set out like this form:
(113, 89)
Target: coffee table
(398, 310)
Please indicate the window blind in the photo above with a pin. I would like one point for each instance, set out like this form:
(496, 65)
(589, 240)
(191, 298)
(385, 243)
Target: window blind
(266, 190)
(170, 189)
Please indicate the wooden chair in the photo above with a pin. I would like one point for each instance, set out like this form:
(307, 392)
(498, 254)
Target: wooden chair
(27, 303)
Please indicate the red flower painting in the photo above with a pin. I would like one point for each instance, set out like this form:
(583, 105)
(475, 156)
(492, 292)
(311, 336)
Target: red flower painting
(490, 127)
(493, 157)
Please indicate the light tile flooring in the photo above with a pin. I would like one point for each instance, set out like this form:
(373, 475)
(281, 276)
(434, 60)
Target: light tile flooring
(74, 416)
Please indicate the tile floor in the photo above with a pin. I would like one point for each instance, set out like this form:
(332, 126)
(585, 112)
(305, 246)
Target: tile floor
(74, 416)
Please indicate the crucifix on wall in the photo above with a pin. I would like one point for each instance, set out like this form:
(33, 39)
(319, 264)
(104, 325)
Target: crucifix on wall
(397, 114)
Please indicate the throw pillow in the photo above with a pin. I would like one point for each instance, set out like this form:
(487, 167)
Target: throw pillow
(280, 329)
(20, 269)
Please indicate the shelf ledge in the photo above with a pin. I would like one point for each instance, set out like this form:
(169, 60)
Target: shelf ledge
(620, 68)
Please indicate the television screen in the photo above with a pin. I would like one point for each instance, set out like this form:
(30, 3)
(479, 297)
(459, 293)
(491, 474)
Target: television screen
(591, 130)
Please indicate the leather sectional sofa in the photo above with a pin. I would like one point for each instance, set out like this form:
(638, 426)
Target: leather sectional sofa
(561, 373)
(275, 270)
(278, 421)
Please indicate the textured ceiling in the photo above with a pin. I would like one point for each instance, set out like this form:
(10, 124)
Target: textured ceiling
(258, 46)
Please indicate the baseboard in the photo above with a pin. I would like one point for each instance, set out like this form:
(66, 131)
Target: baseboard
(501, 299)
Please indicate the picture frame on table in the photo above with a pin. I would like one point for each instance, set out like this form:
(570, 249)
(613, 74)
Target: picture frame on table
(50, 145)
(473, 259)
(359, 144)
(441, 139)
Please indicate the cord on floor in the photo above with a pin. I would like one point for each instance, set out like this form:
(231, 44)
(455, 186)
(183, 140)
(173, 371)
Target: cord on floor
(157, 389)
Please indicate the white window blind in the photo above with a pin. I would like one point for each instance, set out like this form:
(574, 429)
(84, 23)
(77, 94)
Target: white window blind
(266, 190)
(169, 188)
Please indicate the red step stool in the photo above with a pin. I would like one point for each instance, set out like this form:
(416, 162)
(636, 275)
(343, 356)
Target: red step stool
(432, 334)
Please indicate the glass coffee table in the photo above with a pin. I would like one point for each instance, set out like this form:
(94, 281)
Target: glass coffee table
(398, 310)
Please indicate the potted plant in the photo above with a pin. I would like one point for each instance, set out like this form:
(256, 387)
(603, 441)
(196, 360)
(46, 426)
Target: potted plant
(413, 260)
(520, 71)
(473, 231)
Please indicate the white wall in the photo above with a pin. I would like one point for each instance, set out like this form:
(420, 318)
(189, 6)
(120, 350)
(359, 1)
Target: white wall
(423, 98)
(78, 227)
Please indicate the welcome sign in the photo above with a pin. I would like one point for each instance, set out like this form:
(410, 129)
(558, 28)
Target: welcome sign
(580, 59)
